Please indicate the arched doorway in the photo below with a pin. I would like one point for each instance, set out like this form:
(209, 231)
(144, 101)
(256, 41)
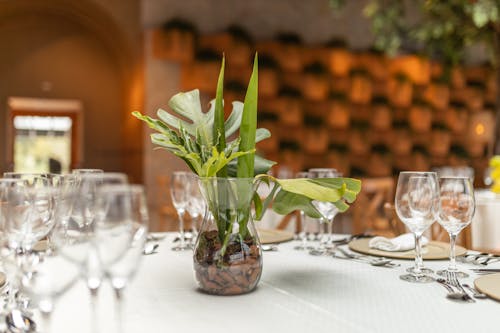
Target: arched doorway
(75, 50)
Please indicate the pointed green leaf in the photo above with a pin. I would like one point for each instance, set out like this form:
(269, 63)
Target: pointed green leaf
(218, 128)
(248, 126)
(287, 202)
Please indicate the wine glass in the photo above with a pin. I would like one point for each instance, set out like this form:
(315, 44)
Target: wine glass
(76, 236)
(196, 203)
(179, 190)
(303, 231)
(22, 235)
(417, 204)
(124, 269)
(327, 209)
(54, 276)
(14, 211)
(456, 209)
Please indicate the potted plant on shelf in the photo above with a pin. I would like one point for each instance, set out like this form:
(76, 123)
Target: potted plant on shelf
(227, 255)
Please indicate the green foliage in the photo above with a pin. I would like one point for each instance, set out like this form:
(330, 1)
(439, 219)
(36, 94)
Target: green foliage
(442, 30)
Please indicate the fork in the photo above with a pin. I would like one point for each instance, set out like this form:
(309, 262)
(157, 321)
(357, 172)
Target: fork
(374, 261)
(452, 279)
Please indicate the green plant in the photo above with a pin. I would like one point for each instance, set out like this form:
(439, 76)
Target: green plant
(205, 141)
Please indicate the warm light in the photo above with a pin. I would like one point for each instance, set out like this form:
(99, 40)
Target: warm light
(479, 129)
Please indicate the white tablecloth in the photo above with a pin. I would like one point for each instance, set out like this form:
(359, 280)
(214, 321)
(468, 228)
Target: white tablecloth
(297, 293)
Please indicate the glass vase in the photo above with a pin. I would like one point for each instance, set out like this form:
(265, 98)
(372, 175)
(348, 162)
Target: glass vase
(227, 255)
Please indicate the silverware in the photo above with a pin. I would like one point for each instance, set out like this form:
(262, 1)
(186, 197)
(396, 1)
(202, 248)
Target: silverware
(475, 292)
(150, 248)
(374, 261)
(479, 258)
(452, 294)
(452, 279)
(18, 322)
(155, 238)
(485, 270)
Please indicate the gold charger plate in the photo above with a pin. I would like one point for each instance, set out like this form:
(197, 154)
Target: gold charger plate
(269, 236)
(432, 251)
(489, 285)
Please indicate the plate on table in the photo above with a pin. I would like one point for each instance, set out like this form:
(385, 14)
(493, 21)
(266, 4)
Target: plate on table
(270, 236)
(489, 285)
(432, 251)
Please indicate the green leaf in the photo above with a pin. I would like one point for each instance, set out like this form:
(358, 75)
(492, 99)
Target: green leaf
(261, 166)
(310, 189)
(188, 105)
(234, 120)
(267, 201)
(218, 128)
(287, 202)
(248, 125)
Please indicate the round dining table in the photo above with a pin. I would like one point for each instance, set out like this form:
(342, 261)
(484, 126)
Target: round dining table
(297, 292)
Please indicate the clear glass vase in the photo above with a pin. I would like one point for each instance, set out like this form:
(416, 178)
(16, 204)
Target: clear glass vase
(227, 255)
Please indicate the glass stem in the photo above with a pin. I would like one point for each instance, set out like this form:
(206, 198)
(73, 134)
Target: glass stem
(120, 328)
(418, 255)
(182, 238)
(453, 263)
(304, 229)
(329, 240)
(94, 311)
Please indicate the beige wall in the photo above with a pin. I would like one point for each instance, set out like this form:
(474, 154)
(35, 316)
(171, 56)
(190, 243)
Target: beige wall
(67, 49)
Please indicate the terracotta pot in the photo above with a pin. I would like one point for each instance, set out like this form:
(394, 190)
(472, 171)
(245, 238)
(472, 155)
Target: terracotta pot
(174, 44)
(440, 143)
(474, 98)
(381, 118)
(268, 82)
(401, 143)
(290, 111)
(456, 118)
(339, 115)
(339, 160)
(200, 75)
(420, 118)
(438, 95)
(400, 92)
(379, 165)
(290, 57)
(292, 159)
(358, 142)
(457, 77)
(315, 86)
(361, 89)
(339, 61)
(315, 140)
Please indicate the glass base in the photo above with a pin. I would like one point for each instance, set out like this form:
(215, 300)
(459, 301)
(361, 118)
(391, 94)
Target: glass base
(417, 278)
(182, 248)
(459, 274)
(424, 270)
(303, 248)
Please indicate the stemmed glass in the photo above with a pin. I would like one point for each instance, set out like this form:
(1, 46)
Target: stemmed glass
(196, 204)
(14, 211)
(303, 231)
(123, 270)
(327, 209)
(179, 190)
(456, 209)
(81, 237)
(417, 204)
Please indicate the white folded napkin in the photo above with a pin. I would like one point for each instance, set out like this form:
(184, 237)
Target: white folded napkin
(403, 242)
